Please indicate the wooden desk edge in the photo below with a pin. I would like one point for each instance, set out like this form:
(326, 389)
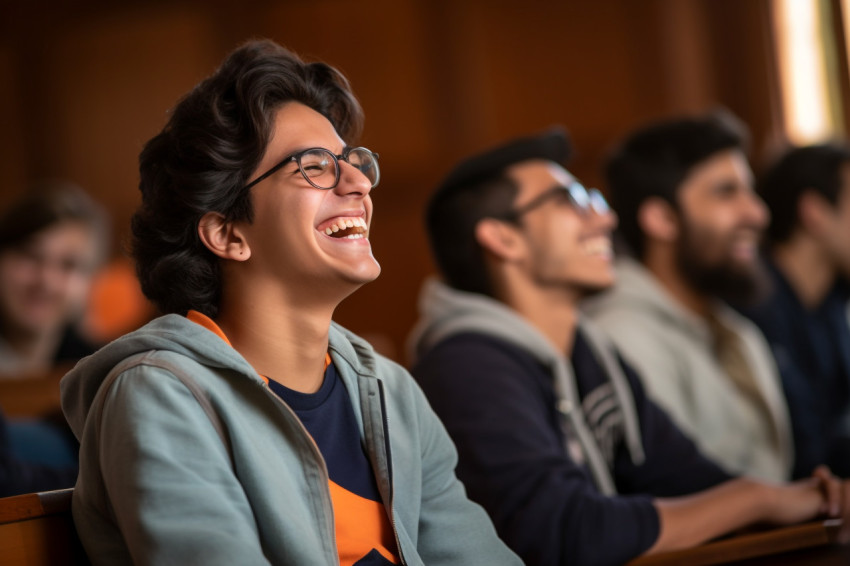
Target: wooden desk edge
(31, 505)
(783, 539)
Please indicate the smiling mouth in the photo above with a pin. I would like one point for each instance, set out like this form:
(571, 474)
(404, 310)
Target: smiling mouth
(599, 246)
(350, 228)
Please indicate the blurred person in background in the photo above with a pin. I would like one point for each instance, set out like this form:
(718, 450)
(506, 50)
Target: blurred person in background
(691, 218)
(24, 475)
(808, 257)
(52, 241)
(557, 437)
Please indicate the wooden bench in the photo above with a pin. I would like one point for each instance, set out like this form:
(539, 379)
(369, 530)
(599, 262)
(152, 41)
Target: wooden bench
(808, 544)
(32, 396)
(36, 529)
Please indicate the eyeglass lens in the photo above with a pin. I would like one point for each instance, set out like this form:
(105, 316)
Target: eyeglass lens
(586, 200)
(321, 168)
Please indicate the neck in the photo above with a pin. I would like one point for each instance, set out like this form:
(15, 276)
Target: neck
(805, 265)
(34, 350)
(661, 263)
(283, 337)
(552, 311)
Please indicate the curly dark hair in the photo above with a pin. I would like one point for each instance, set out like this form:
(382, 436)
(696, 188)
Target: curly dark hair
(201, 161)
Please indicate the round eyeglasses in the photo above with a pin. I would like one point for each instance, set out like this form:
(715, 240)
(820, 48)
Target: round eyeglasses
(320, 166)
(582, 199)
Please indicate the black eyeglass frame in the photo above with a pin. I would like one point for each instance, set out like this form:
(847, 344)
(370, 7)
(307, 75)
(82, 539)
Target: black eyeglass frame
(297, 158)
(595, 201)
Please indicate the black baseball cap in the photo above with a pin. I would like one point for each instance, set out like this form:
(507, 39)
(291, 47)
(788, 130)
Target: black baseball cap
(552, 144)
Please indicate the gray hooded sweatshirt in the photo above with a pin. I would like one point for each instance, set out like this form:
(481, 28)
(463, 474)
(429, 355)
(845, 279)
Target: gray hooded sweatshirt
(674, 352)
(187, 457)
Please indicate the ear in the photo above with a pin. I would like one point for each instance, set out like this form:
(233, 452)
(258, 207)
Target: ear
(813, 211)
(658, 220)
(499, 238)
(223, 238)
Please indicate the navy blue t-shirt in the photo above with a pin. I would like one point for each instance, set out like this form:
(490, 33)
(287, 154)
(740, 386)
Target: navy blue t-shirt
(364, 535)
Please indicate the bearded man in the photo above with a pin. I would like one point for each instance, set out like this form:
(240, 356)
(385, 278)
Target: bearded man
(690, 215)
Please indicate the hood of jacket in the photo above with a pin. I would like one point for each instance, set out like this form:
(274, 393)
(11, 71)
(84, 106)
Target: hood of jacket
(445, 312)
(637, 290)
(176, 333)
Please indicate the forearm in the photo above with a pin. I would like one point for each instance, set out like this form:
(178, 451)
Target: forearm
(691, 520)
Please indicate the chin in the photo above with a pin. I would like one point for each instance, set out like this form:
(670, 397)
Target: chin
(364, 274)
(588, 288)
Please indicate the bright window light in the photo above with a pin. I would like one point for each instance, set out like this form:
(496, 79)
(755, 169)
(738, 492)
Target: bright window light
(809, 114)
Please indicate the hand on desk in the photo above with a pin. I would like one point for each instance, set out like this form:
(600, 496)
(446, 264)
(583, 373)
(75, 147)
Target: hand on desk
(743, 502)
(835, 494)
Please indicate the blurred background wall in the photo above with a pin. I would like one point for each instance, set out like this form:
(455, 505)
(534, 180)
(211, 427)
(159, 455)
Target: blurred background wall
(84, 84)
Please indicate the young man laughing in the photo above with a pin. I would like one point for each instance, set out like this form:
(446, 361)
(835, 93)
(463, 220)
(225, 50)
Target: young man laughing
(244, 426)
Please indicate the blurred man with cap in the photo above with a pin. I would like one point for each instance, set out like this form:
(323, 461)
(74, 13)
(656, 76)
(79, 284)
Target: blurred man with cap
(557, 439)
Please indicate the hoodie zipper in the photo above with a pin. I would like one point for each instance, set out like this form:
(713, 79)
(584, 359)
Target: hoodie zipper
(385, 423)
(387, 451)
(325, 475)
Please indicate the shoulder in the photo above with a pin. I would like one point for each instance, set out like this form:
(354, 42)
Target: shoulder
(145, 377)
(473, 351)
(472, 368)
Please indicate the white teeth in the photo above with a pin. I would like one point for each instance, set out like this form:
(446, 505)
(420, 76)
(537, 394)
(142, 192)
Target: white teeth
(346, 223)
(598, 246)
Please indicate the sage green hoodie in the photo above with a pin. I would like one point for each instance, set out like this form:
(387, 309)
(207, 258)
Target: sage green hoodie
(186, 457)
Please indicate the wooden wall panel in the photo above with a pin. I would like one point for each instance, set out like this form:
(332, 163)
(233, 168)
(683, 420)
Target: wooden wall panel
(116, 76)
(84, 88)
(12, 152)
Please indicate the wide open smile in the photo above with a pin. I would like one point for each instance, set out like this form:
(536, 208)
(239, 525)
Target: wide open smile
(599, 246)
(347, 227)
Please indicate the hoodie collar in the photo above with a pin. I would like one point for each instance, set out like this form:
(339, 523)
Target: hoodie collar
(638, 289)
(446, 311)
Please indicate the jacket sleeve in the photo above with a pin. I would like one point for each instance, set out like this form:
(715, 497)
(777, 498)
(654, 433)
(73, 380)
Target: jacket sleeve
(168, 477)
(673, 465)
(496, 406)
(452, 529)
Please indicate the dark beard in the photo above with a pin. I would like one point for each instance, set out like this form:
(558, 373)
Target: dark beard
(738, 285)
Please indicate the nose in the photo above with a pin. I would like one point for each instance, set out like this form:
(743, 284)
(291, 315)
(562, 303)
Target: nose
(352, 181)
(756, 211)
(606, 220)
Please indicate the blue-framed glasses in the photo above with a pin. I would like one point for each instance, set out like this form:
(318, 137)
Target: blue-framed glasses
(320, 166)
(583, 200)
